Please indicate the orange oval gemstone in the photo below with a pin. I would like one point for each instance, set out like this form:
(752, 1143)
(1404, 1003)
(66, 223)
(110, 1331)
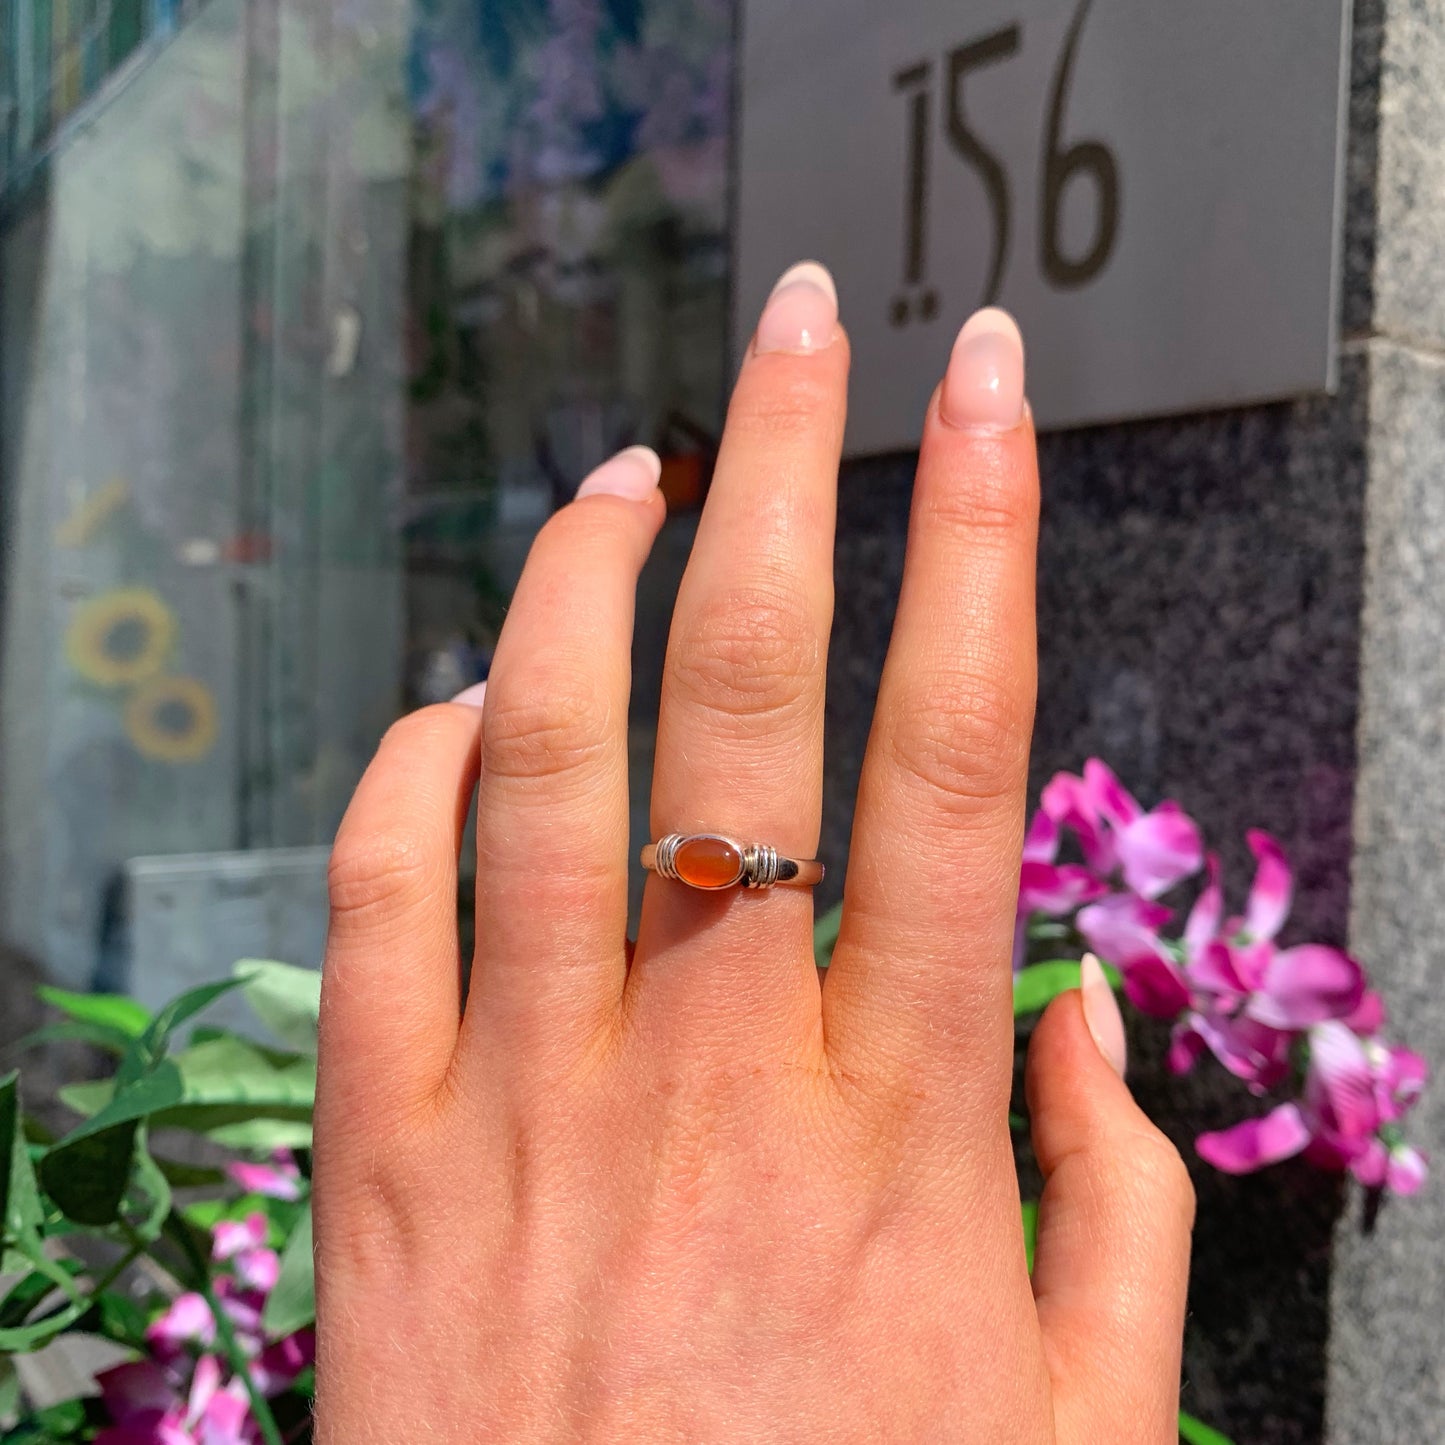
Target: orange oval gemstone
(708, 863)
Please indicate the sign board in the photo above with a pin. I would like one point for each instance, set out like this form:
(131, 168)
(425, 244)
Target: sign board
(1153, 187)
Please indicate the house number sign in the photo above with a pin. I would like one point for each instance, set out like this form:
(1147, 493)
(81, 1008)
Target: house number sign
(1152, 186)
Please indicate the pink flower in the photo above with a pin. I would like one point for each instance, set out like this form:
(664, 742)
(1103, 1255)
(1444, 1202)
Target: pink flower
(1153, 850)
(281, 1363)
(1047, 887)
(188, 1321)
(147, 1409)
(280, 1179)
(1354, 1092)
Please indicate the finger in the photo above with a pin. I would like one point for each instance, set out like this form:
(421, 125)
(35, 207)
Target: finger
(552, 807)
(921, 969)
(1112, 1260)
(391, 982)
(740, 729)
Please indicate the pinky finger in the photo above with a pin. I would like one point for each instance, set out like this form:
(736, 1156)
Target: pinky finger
(1112, 1262)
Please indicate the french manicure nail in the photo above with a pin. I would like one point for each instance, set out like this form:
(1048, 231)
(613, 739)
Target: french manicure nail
(1101, 1013)
(633, 474)
(802, 312)
(472, 696)
(984, 384)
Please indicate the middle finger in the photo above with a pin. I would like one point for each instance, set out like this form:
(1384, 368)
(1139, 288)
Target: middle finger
(740, 731)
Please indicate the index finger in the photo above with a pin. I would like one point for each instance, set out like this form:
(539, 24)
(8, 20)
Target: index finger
(922, 970)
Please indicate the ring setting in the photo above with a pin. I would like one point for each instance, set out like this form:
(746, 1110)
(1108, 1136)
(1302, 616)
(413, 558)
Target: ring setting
(712, 861)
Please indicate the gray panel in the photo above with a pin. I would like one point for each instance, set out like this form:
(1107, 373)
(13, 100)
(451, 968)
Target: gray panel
(1220, 123)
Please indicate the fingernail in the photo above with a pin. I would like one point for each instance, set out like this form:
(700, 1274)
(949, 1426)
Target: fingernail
(472, 696)
(633, 474)
(984, 384)
(1101, 1013)
(802, 312)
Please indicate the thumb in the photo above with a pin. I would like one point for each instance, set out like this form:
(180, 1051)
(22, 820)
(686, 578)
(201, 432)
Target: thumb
(1112, 1258)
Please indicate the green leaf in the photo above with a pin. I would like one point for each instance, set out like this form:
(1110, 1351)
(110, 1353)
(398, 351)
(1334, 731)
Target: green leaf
(1196, 1432)
(286, 999)
(21, 1339)
(36, 1286)
(150, 1048)
(112, 1010)
(825, 934)
(1031, 1230)
(292, 1304)
(1038, 985)
(86, 1173)
(71, 1420)
(114, 1317)
(103, 1036)
(1017, 1121)
(236, 1074)
(9, 1134)
(87, 1098)
(258, 1135)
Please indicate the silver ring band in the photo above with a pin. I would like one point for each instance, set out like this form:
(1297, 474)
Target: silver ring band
(711, 861)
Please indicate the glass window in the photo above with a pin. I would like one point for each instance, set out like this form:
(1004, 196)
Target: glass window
(309, 317)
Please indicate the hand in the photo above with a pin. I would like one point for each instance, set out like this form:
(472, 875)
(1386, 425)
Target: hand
(686, 1191)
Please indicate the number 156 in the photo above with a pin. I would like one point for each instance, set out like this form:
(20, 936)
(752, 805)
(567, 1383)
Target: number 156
(1087, 159)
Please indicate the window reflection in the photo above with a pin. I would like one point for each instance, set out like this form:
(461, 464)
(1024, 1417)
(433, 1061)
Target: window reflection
(309, 316)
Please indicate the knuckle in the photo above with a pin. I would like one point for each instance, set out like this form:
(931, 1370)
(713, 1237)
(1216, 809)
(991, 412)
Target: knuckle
(547, 726)
(779, 404)
(1159, 1170)
(747, 652)
(378, 873)
(964, 740)
(990, 503)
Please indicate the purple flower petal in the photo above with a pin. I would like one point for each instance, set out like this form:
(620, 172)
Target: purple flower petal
(1273, 890)
(1186, 1047)
(1041, 843)
(1371, 1166)
(1306, 985)
(1250, 1051)
(274, 1181)
(1407, 1170)
(1067, 801)
(1340, 1087)
(1400, 1075)
(1158, 850)
(187, 1321)
(1202, 925)
(1369, 1018)
(136, 1387)
(1109, 796)
(258, 1269)
(1255, 1142)
(1155, 986)
(1122, 926)
(1214, 970)
(1056, 890)
(231, 1236)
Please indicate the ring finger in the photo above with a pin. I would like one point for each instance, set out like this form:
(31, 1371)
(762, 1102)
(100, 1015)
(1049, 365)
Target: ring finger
(740, 731)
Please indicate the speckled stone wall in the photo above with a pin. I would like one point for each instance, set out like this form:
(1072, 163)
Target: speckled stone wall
(1246, 611)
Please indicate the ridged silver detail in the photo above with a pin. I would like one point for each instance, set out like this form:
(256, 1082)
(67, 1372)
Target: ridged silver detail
(664, 861)
(760, 866)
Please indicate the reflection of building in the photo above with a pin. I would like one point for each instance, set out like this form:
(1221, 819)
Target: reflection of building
(302, 335)
(57, 56)
(201, 422)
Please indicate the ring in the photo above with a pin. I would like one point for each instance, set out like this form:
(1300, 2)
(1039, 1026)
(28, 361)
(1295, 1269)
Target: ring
(711, 861)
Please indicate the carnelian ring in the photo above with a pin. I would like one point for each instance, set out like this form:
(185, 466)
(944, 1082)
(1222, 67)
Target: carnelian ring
(713, 861)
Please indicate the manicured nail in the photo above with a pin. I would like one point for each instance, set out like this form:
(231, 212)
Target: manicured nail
(1101, 1013)
(633, 474)
(472, 696)
(984, 384)
(802, 312)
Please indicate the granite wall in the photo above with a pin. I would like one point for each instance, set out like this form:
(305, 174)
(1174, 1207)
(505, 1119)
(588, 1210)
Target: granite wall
(1243, 610)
